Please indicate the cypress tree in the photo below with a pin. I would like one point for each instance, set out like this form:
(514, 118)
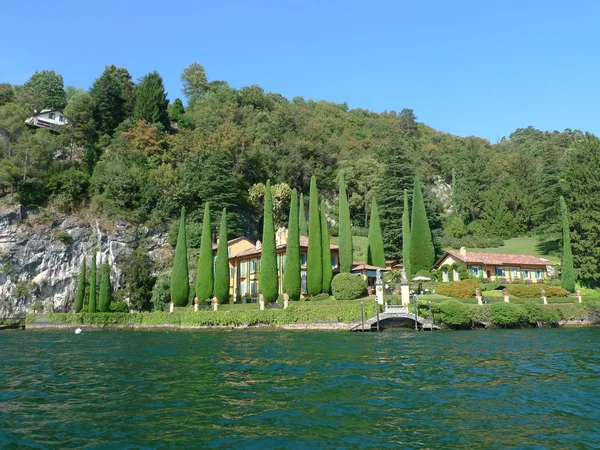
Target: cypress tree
(204, 274)
(92, 305)
(180, 287)
(268, 280)
(302, 217)
(222, 271)
(326, 250)
(375, 254)
(406, 236)
(422, 253)
(151, 102)
(105, 288)
(345, 232)
(315, 262)
(80, 288)
(291, 278)
(567, 280)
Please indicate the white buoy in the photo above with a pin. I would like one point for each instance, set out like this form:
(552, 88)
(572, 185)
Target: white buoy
(78, 331)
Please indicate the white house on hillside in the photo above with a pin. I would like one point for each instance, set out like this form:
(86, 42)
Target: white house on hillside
(47, 118)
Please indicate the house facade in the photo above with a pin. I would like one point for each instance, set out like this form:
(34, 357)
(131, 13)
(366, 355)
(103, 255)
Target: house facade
(47, 118)
(493, 266)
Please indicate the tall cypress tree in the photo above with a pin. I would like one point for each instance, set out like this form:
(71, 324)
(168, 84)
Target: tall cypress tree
(345, 230)
(422, 253)
(92, 305)
(291, 277)
(567, 270)
(222, 271)
(180, 287)
(406, 236)
(302, 217)
(326, 250)
(268, 280)
(80, 288)
(105, 288)
(314, 270)
(375, 254)
(204, 274)
(151, 102)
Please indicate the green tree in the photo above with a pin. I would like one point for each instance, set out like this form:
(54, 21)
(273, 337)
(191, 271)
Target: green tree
(302, 217)
(315, 256)
(81, 127)
(44, 90)
(222, 270)
(269, 284)
(110, 107)
(151, 102)
(180, 281)
(204, 274)
(498, 221)
(195, 83)
(567, 270)
(93, 277)
(138, 280)
(80, 288)
(345, 229)
(105, 288)
(397, 176)
(291, 278)
(422, 253)
(326, 250)
(7, 93)
(375, 254)
(406, 236)
(177, 111)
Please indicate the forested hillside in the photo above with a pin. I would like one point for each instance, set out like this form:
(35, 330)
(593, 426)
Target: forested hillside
(128, 152)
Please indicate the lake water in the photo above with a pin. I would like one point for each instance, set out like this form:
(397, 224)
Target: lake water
(536, 388)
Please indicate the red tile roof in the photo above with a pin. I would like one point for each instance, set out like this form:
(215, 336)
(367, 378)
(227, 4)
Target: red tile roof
(491, 259)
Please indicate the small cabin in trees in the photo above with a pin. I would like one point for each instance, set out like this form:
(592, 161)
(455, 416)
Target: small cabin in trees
(52, 119)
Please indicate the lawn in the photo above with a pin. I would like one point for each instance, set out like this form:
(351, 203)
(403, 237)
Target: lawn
(519, 246)
(360, 246)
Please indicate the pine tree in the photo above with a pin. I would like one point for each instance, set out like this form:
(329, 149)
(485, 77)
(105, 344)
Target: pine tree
(268, 280)
(567, 270)
(375, 254)
(406, 236)
(422, 253)
(291, 278)
(109, 102)
(204, 274)
(92, 305)
(345, 231)
(303, 226)
(222, 271)
(151, 102)
(315, 262)
(326, 250)
(105, 288)
(397, 176)
(180, 287)
(80, 288)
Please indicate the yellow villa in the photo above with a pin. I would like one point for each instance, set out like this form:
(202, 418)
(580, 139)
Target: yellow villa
(494, 266)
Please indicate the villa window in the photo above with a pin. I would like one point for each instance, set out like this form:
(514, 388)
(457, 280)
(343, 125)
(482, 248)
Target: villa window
(539, 274)
(51, 116)
(515, 273)
(476, 271)
(302, 259)
(333, 262)
(243, 288)
(253, 266)
(253, 288)
(526, 273)
(243, 267)
(500, 272)
(61, 118)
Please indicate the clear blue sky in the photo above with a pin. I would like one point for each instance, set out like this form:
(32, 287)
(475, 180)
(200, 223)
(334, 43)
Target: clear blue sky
(465, 67)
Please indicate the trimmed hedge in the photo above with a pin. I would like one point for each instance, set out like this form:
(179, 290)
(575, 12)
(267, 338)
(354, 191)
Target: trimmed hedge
(347, 286)
(458, 289)
(533, 290)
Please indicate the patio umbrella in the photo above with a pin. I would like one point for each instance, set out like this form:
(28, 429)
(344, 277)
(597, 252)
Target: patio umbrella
(421, 278)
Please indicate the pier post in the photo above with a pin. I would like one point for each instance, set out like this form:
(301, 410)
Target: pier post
(171, 305)
(195, 304)
(286, 299)
(478, 296)
(578, 294)
(261, 300)
(543, 296)
(215, 303)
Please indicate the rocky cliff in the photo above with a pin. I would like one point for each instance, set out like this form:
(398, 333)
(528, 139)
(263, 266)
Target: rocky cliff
(41, 255)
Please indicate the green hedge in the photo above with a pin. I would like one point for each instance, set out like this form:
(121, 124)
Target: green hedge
(458, 289)
(533, 290)
(347, 286)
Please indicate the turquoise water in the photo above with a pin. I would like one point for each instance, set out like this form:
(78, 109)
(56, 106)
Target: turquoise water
(537, 388)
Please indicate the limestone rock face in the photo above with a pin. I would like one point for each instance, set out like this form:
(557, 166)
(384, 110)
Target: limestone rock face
(41, 255)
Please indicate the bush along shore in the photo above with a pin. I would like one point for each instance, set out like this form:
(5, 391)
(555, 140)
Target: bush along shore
(449, 314)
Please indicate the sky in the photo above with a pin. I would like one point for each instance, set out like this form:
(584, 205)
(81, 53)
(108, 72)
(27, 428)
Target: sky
(482, 68)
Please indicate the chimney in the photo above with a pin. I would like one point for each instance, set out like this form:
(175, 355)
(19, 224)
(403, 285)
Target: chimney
(463, 252)
(258, 245)
(281, 236)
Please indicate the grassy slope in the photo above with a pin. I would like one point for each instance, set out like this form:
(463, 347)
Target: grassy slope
(519, 246)
(360, 246)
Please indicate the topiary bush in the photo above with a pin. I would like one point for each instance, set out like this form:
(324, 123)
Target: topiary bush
(452, 312)
(320, 297)
(505, 314)
(533, 290)
(347, 286)
(458, 289)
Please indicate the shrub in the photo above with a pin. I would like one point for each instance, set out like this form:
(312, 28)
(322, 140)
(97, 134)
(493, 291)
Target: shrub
(320, 297)
(119, 307)
(506, 314)
(347, 286)
(452, 312)
(533, 290)
(161, 293)
(459, 289)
